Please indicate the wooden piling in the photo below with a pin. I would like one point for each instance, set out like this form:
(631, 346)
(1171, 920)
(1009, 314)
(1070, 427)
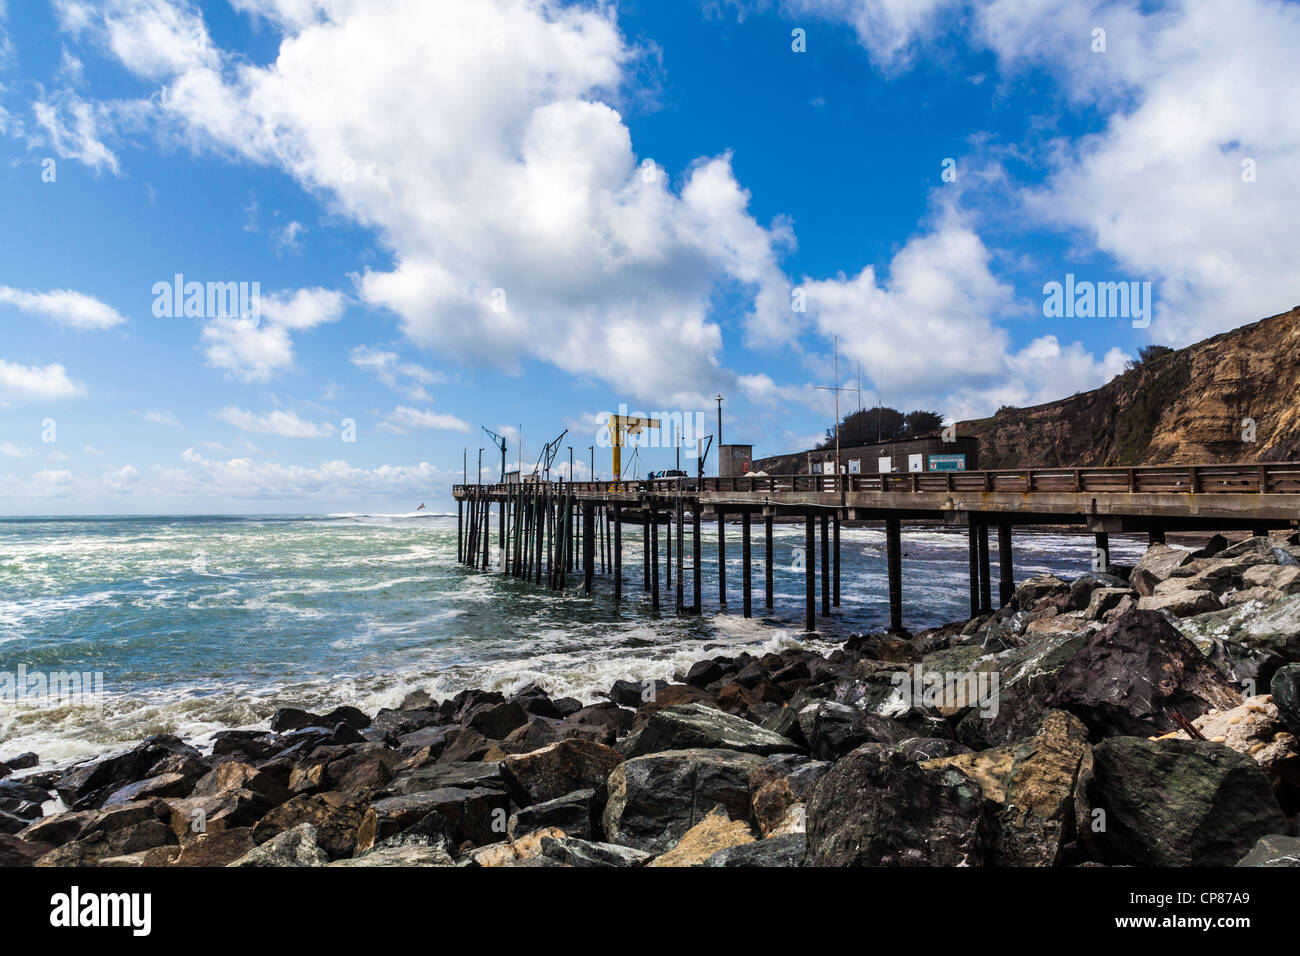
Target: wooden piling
(1101, 542)
(645, 547)
(746, 557)
(1006, 576)
(695, 557)
(588, 547)
(722, 558)
(986, 587)
(618, 553)
(835, 556)
(810, 574)
(460, 539)
(767, 560)
(972, 531)
(654, 560)
(826, 565)
(680, 515)
(894, 561)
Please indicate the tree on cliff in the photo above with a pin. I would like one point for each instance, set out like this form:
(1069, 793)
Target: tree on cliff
(882, 424)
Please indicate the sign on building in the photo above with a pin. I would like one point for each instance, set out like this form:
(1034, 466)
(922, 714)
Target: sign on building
(855, 466)
(947, 462)
(884, 464)
(915, 463)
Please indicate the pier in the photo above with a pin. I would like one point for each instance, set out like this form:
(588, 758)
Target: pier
(552, 532)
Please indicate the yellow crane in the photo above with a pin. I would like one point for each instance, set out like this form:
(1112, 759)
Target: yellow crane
(621, 426)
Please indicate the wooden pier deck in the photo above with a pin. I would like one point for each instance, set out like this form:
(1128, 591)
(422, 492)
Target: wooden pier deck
(547, 531)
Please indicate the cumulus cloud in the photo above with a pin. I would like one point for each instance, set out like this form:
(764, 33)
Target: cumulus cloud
(159, 417)
(256, 349)
(406, 377)
(278, 422)
(484, 153)
(26, 383)
(73, 129)
(404, 419)
(74, 310)
(1189, 182)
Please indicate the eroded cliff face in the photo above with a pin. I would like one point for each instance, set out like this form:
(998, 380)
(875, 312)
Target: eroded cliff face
(1187, 406)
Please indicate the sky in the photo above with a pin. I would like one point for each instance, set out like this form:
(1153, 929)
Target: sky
(292, 256)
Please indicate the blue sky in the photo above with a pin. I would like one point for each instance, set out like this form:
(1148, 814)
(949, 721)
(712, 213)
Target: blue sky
(510, 213)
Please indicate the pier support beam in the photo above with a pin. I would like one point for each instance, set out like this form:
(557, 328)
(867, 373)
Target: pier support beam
(1101, 541)
(894, 560)
(747, 557)
(588, 546)
(1006, 579)
(680, 516)
(767, 560)
(722, 558)
(835, 556)
(826, 565)
(668, 553)
(618, 554)
(654, 560)
(695, 557)
(986, 584)
(645, 549)
(810, 573)
(972, 531)
(460, 535)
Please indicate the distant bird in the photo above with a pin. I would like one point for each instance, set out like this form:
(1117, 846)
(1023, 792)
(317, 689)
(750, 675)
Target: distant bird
(421, 508)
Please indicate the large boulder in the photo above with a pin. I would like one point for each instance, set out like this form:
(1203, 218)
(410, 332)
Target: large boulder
(1179, 598)
(1159, 562)
(16, 852)
(654, 799)
(123, 829)
(1286, 696)
(336, 821)
(1173, 803)
(1036, 593)
(1031, 785)
(1275, 849)
(1026, 678)
(295, 847)
(833, 729)
(1134, 674)
(787, 849)
(88, 785)
(557, 770)
(574, 852)
(697, 725)
(1274, 627)
(876, 807)
(716, 832)
(781, 785)
(576, 813)
(1083, 586)
(477, 816)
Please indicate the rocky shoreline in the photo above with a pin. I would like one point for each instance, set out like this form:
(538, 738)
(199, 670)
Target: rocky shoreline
(1138, 716)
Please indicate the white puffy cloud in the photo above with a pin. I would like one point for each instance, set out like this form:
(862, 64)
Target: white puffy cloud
(249, 350)
(406, 377)
(159, 417)
(67, 308)
(72, 128)
(256, 349)
(477, 140)
(279, 422)
(303, 309)
(26, 383)
(1194, 94)
(403, 419)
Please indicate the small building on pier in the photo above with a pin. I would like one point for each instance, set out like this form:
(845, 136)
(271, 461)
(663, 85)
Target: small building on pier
(923, 453)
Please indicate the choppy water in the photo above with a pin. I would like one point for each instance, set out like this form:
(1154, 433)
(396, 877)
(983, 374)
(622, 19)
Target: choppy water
(204, 623)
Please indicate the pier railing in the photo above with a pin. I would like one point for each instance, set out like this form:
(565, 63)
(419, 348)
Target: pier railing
(1261, 478)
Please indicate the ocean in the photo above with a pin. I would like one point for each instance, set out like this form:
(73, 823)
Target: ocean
(199, 624)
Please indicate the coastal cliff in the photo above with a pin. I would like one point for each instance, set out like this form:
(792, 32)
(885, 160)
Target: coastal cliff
(1188, 405)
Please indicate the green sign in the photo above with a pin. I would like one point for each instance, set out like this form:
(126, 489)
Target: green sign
(947, 462)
